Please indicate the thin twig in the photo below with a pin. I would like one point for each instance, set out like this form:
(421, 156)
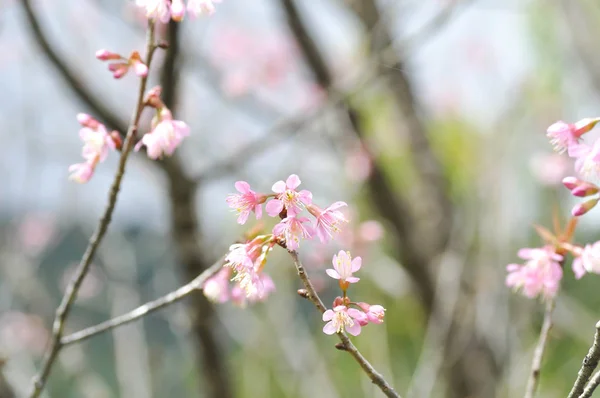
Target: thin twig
(591, 387)
(538, 355)
(347, 345)
(70, 295)
(144, 309)
(590, 362)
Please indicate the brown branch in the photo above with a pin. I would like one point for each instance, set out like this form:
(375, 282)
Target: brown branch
(102, 113)
(144, 309)
(540, 348)
(186, 234)
(70, 295)
(590, 362)
(313, 296)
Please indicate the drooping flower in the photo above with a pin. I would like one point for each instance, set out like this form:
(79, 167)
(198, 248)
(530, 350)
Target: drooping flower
(374, 313)
(81, 172)
(246, 201)
(588, 260)
(565, 135)
(540, 275)
(201, 7)
(288, 198)
(342, 318)
(216, 288)
(292, 229)
(165, 137)
(344, 266)
(156, 9)
(248, 260)
(122, 66)
(328, 220)
(587, 159)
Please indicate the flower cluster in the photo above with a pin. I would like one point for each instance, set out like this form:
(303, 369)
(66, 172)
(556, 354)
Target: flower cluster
(96, 144)
(121, 66)
(540, 275)
(347, 315)
(287, 203)
(245, 262)
(164, 10)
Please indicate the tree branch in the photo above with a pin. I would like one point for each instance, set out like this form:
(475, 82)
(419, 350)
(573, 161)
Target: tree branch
(538, 355)
(64, 308)
(102, 113)
(144, 309)
(591, 387)
(347, 345)
(590, 362)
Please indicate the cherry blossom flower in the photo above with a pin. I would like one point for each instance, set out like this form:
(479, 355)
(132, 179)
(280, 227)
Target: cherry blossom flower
(216, 288)
(288, 198)
(247, 260)
(587, 162)
(120, 68)
(201, 7)
(344, 266)
(166, 136)
(292, 229)
(540, 275)
(374, 313)
(328, 220)
(81, 172)
(588, 260)
(342, 318)
(246, 201)
(156, 9)
(564, 135)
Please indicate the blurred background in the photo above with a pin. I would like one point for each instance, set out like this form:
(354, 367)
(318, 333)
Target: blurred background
(427, 116)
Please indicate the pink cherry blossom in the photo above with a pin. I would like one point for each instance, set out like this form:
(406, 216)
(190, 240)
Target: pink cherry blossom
(344, 266)
(342, 318)
(177, 10)
(246, 201)
(288, 198)
(328, 220)
(588, 260)
(565, 135)
(540, 275)
(201, 7)
(96, 143)
(292, 229)
(156, 9)
(166, 136)
(581, 208)
(374, 313)
(587, 159)
(81, 172)
(216, 288)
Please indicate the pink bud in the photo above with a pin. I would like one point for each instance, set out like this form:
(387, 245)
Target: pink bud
(140, 69)
(177, 10)
(105, 55)
(118, 69)
(87, 121)
(585, 189)
(582, 208)
(571, 182)
(585, 125)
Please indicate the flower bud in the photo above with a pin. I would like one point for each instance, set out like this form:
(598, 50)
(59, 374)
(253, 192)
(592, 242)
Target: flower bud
(105, 55)
(582, 208)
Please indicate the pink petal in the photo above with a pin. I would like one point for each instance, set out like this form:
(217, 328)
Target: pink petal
(354, 330)
(356, 263)
(242, 186)
(279, 187)
(293, 181)
(258, 211)
(332, 273)
(243, 217)
(305, 196)
(328, 315)
(274, 207)
(329, 328)
(336, 205)
(352, 279)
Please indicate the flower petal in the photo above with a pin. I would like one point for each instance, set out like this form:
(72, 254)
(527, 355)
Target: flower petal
(293, 181)
(332, 273)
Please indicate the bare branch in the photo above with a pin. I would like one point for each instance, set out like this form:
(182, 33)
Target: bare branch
(70, 295)
(144, 309)
(538, 355)
(102, 113)
(346, 345)
(590, 362)
(591, 387)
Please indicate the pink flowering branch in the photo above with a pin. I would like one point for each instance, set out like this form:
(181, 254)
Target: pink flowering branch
(590, 362)
(540, 348)
(39, 381)
(311, 294)
(145, 309)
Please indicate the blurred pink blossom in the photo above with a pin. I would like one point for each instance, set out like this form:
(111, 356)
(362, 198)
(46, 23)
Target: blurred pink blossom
(358, 164)
(565, 135)
(36, 231)
(165, 137)
(20, 331)
(588, 260)
(540, 275)
(549, 168)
